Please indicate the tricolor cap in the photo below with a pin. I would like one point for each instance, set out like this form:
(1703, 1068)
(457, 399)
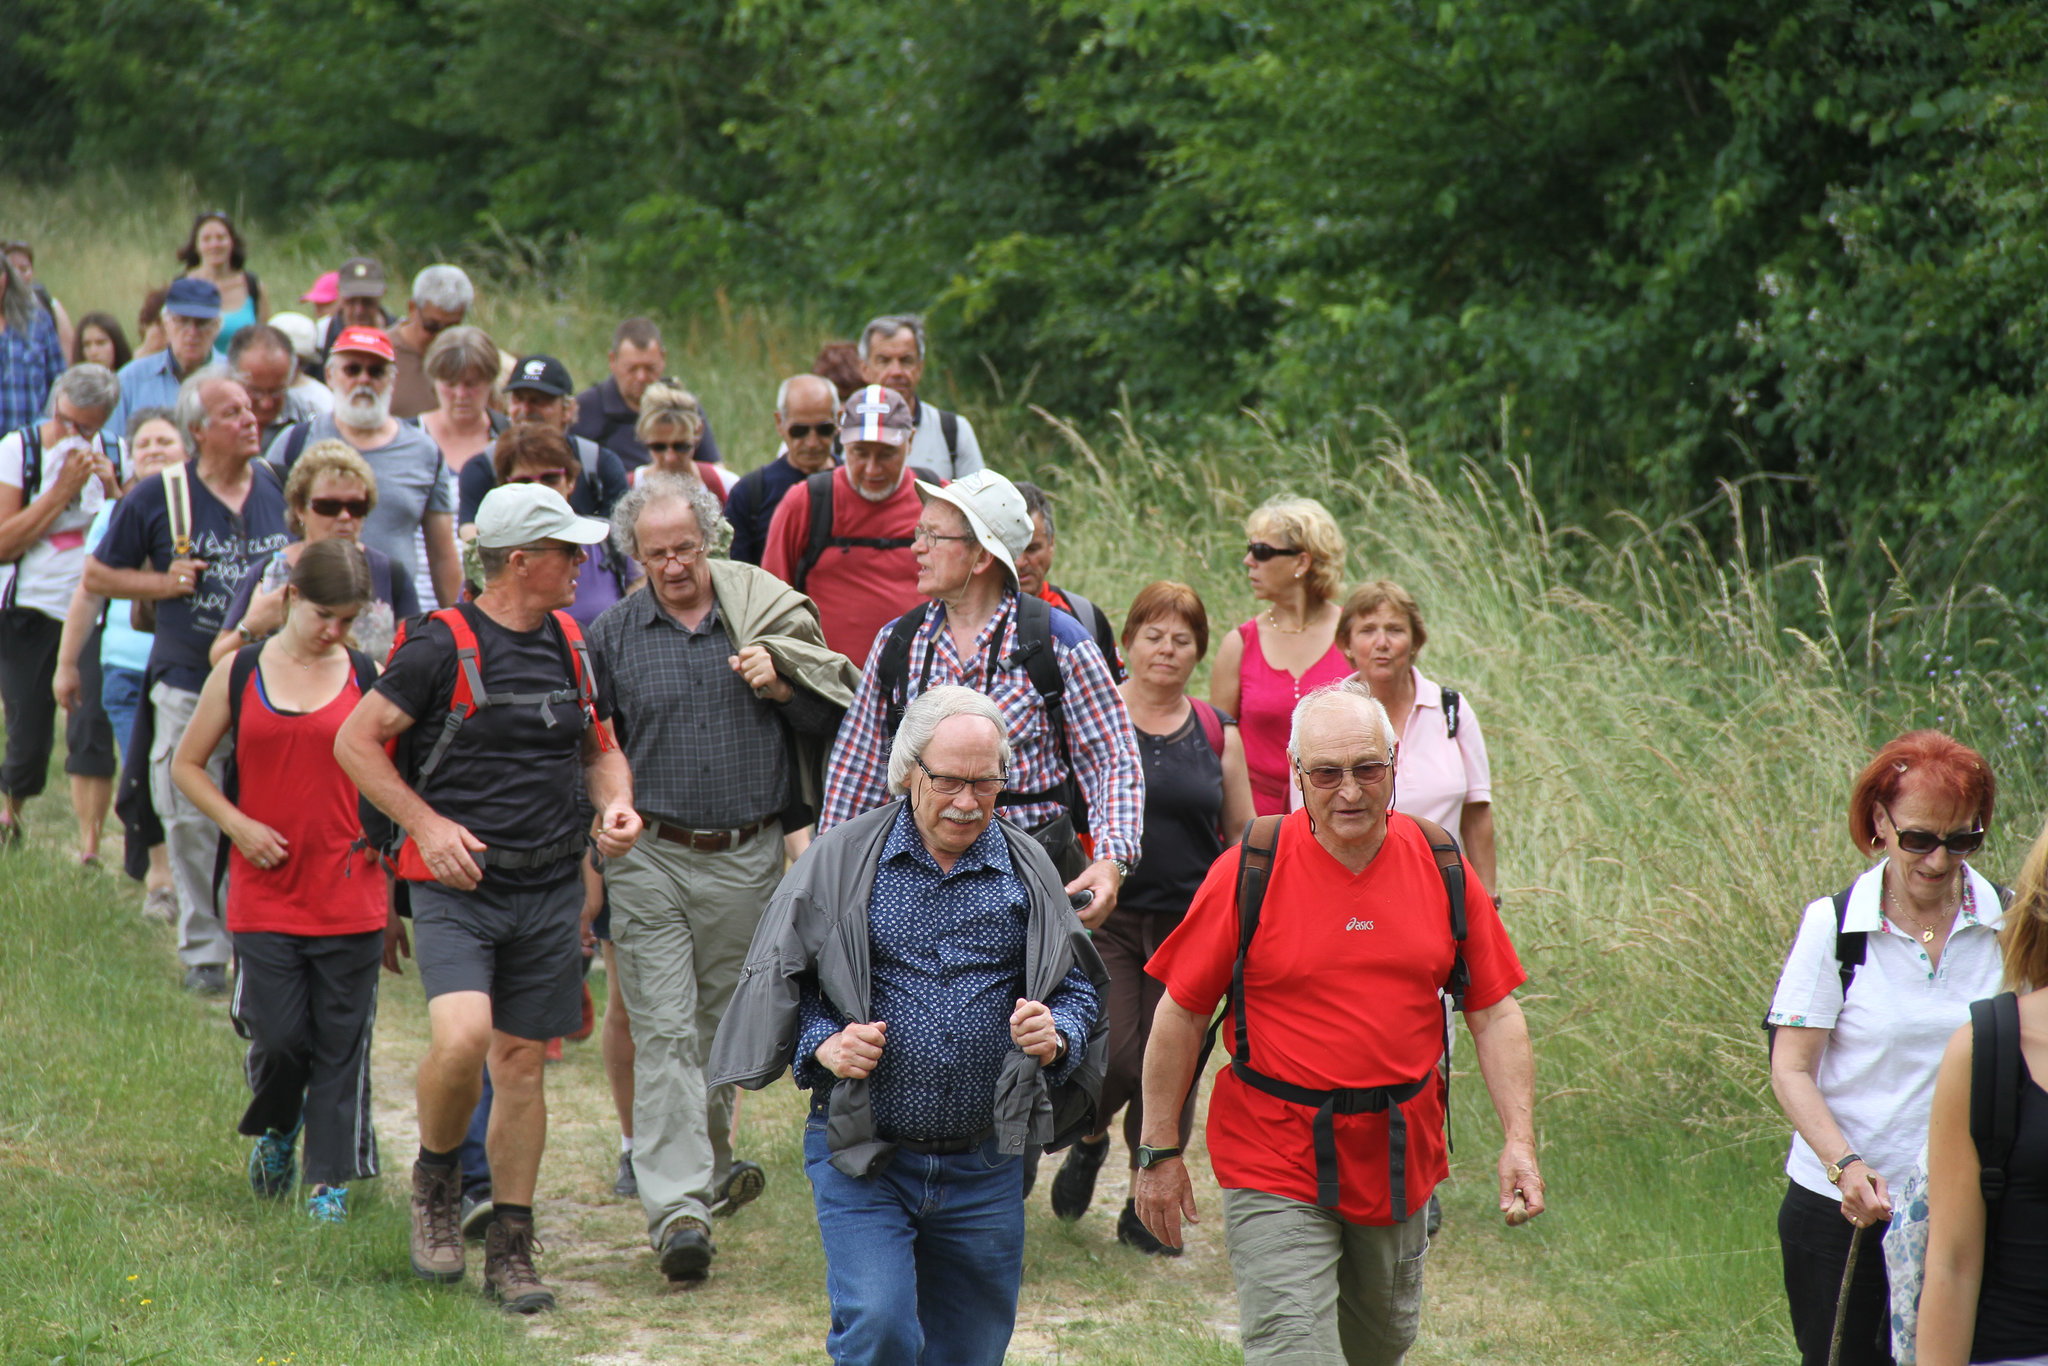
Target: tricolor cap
(520, 514)
(366, 340)
(995, 512)
(876, 414)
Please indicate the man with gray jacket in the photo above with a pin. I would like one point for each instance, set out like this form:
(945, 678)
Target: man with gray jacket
(922, 972)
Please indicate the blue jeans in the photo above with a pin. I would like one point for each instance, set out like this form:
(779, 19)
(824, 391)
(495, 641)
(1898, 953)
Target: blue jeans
(922, 1259)
(121, 698)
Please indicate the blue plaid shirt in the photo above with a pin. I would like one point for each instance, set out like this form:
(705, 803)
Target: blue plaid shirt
(947, 968)
(29, 364)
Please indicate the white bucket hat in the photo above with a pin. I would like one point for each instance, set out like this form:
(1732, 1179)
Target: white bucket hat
(994, 510)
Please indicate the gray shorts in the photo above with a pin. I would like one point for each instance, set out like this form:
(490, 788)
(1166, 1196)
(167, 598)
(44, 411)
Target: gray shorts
(1313, 1290)
(518, 945)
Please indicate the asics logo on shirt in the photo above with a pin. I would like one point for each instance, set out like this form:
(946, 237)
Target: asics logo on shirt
(1356, 924)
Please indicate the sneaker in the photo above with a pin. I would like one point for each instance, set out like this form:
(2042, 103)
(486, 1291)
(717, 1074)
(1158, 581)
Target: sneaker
(509, 1246)
(1073, 1186)
(207, 979)
(628, 1183)
(589, 1018)
(1434, 1215)
(274, 1165)
(686, 1251)
(328, 1205)
(436, 1224)
(477, 1213)
(1132, 1233)
(161, 904)
(742, 1184)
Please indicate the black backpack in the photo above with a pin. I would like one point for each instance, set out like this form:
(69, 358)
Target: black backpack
(1995, 1071)
(819, 487)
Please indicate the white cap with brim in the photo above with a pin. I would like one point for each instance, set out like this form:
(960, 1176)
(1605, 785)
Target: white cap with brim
(994, 510)
(520, 514)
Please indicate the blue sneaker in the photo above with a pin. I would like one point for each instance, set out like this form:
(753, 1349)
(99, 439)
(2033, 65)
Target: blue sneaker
(274, 1165)
(329, 1205)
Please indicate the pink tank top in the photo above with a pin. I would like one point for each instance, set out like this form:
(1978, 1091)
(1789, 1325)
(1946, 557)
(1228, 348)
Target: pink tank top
(1266, 698)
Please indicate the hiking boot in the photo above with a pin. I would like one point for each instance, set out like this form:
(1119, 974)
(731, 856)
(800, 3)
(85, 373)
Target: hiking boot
(686, 1251)
(207, 979)
(1073, 1185)
(742, 1184)
(328, 1205)
(627, 1183)
(274, 1165)
(1132, 1233)
(477, 1213)
(509, 1246)
(436, 1223)
(161, 904)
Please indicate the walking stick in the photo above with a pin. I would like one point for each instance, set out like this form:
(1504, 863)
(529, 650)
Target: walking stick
(1842, 1300)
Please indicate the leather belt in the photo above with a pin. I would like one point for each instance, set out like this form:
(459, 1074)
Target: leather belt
(941, 1147)
(710, 841)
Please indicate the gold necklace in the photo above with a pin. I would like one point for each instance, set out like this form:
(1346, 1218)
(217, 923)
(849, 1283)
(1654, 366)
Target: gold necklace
(1285, 630)
(1926, 930)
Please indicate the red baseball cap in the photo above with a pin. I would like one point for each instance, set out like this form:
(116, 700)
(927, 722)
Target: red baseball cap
(367, 340)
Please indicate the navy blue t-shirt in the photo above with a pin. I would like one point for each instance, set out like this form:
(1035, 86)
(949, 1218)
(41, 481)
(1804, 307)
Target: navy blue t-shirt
(750, 507)
(139, 537)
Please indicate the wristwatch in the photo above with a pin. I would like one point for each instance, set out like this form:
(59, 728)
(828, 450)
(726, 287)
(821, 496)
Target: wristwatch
(248, 636)
(1152, 1157)
(1123, 870)
(1835, 1169)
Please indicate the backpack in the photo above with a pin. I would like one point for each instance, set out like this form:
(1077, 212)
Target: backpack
(1452, 701)
(468, 698)
(819, 487)
(1212, 723)
(1254, 869)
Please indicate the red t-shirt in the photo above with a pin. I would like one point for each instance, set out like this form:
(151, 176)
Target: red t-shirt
(859, 590)
(289, 780)
(1340, 992)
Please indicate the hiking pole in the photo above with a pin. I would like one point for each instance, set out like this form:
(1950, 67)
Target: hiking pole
(1842, 1300)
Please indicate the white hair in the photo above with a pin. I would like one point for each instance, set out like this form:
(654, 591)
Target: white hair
(887, 326)
(444, 287)
(658, 486)
(90, 387)
(921, 720)
(191, 409)
(782, 392)
(1346, 693)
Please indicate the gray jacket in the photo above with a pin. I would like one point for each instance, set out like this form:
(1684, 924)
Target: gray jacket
(816, 925)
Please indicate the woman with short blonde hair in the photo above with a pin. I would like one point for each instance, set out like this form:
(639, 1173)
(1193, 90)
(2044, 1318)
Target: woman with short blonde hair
(671, 427)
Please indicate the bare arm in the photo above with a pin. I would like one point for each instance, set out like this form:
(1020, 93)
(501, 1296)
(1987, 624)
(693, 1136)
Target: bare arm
(259, 844)
(67, 335)
(444, 561)
(1237, 787)
(1795, 1061)
(24, 522)
(359, 749)
(1164, 1194)
(1225, 687)
(1475, 833)
(78, 622)
(1500, 1036)
(1955, 1217)
(142, 585)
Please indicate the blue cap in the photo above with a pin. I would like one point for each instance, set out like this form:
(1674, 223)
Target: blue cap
(190, 298)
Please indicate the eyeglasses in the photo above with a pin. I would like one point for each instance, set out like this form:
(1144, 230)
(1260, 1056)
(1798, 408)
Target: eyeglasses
(680, 447)
(374, 370)
(1262, 552)
(553, 476)
(926, 534)
(357, 508)
(1927, 841)
(797, 431)
(681, 554)
(76, 425)
(1330, 777)
(946, 785)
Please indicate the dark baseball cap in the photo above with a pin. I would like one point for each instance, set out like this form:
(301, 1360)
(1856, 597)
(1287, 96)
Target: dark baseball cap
(361, 278)
(542, 374)
(192, 298)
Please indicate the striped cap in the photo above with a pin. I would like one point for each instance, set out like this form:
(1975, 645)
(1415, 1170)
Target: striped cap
(876, 414)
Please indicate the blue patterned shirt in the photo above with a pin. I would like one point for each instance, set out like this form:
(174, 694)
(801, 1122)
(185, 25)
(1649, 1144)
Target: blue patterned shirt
(29, 364)
(947, 967)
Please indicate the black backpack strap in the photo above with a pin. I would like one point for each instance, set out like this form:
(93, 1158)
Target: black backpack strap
(1254, 871)
(1452, 702)
(295, 443)
(892, 674)
(819, 486)
(31, 462)
(239, 674)
(1450, 865)
(949, 427)
(1995, 1065)
(1035, 651)
(1850, 945)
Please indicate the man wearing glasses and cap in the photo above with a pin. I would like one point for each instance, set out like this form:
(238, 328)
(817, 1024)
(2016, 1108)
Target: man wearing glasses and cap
(414, 520)
(191, 320)
(492, 857)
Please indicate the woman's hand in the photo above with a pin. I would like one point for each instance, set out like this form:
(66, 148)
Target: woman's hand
(68, 687)
(1866, 1199)
(262, 846)
(266, 613)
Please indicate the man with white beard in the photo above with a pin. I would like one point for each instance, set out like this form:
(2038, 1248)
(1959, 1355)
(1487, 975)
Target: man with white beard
(414, 520)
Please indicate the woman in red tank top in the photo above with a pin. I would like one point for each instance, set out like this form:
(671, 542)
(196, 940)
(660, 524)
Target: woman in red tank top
(307, 909)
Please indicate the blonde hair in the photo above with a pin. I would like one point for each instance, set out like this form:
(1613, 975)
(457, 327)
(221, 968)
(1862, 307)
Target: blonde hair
(2025, 933)
(333, 457)
(667, 404)
(1306, 525)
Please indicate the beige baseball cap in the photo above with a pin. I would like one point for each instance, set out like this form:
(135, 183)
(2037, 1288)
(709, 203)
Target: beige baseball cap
(520, 514)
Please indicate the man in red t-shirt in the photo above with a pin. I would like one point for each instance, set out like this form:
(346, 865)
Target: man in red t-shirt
(1341, 987)
(866, 576)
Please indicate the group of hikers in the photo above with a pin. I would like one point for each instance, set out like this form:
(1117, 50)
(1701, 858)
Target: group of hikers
(400, 644)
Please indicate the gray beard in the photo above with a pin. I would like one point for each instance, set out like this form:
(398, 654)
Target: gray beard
(358, 417)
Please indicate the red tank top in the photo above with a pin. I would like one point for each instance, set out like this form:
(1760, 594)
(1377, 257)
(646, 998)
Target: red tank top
(290, 781)
(1265, 709)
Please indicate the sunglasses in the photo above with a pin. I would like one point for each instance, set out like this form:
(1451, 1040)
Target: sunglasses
(357, 508)
(1927, 841)
(1330, 777)
(680, 447)
(1262, 552)
(374, 370)
(554, 476)
(797, 431)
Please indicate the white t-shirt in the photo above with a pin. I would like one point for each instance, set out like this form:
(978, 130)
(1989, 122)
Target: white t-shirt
(48, 570)
(928, 445)
(1885, 1045)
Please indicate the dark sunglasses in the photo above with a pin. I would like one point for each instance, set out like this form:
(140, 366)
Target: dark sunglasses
(1262, 552)
(797, 431)
(1927, 841)
(357, 508)
(683, 447)
(365, 369)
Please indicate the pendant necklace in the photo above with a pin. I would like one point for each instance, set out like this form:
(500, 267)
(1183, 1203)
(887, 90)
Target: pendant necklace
(1926, 931)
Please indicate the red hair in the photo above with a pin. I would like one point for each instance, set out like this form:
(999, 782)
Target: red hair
(1167, 598)
(1953, 770)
